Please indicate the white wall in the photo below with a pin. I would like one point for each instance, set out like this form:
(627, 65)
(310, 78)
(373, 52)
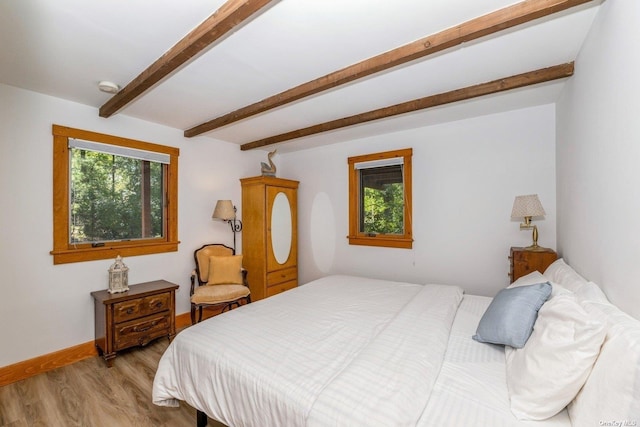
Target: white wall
(466, 175)
(598, 157)
(44, 308)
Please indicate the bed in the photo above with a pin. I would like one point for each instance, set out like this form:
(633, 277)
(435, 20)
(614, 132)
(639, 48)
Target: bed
(346, 350)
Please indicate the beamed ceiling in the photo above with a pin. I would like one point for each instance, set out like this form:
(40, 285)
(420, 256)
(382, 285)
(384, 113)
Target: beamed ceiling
(294, 74)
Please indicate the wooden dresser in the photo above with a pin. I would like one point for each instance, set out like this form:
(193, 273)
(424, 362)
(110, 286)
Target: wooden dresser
(523, 261)
(270, 235)
(134, 318)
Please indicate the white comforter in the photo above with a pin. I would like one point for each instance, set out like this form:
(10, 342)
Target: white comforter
(338, 351)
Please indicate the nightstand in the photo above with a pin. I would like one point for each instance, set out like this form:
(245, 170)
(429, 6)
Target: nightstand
(134, 318)
(524, 261)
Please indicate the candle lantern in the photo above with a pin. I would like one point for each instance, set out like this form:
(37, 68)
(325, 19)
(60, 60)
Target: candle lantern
(118, 276)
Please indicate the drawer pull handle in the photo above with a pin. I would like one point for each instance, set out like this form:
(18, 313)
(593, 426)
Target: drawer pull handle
(129, 310)
(159, 304)
(137, 329)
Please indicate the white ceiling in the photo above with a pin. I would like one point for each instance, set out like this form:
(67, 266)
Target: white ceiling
(65, 47)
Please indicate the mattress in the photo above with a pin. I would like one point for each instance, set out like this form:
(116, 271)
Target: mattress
(343, 351)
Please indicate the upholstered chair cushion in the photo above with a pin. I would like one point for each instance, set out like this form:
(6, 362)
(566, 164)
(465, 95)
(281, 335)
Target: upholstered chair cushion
(224, 270)
(220, 293)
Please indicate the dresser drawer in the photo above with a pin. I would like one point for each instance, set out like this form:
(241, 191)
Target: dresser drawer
(281, 287)
(141, 331)
(138, 307)
(280, 276)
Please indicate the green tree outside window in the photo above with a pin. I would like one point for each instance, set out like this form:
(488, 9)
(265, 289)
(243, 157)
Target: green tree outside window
(107, 197)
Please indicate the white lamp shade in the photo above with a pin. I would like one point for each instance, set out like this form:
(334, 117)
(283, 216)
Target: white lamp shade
(224, 210)
(528, 205)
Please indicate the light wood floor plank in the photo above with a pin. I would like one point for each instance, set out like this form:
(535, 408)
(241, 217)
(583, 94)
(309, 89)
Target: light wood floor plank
(10, 407)
(87, 393)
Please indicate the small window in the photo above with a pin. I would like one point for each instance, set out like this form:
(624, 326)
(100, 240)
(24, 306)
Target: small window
(380, 199)
(112, 196)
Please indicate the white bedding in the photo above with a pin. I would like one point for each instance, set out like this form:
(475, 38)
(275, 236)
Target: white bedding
(471, 388)
(342, 351)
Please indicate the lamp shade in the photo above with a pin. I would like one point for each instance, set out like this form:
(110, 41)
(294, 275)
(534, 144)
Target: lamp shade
(224, 210)
(524, 206)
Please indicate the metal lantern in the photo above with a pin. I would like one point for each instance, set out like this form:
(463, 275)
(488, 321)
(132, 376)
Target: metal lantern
(118, 276)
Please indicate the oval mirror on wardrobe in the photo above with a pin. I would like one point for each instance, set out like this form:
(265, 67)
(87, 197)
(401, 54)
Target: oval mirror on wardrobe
(281, 231)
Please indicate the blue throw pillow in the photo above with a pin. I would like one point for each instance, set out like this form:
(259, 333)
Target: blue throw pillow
(510, 317)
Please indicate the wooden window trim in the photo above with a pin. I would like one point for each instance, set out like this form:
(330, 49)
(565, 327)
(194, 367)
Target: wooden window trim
(356, 237)
(65, 252)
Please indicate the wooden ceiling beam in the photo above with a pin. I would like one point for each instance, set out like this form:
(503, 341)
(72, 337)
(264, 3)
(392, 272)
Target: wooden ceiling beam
(491, 23)
(495, 86)
(228, 16)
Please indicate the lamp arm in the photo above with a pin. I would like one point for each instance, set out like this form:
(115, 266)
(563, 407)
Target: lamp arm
(526, 225)
(236, 225)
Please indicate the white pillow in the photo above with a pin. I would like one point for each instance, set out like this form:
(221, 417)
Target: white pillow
(591, 292)
(612, 391)
(548, 372)
(559, 272)
(536, 277)
(532, 278)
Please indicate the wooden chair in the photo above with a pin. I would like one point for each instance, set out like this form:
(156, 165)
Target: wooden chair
(220, 278)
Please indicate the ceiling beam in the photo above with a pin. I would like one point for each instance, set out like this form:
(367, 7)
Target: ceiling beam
(469, 92)
(228, 16)
(491, 23)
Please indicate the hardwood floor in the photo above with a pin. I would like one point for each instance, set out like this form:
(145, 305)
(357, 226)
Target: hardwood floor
(89, 394)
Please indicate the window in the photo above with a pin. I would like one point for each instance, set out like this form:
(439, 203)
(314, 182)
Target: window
(380, 199)
(112, 196)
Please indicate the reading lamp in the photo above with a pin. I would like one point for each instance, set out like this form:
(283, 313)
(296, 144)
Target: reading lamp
(527, 207)
(225, 211)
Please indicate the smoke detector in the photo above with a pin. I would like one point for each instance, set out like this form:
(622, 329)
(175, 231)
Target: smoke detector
(108, 87)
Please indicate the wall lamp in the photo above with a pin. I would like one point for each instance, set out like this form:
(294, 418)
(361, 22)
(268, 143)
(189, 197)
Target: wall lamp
(527, 207)
(225, 211)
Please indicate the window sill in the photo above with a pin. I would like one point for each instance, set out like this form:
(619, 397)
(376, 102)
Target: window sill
(111, 250)
(383, 241)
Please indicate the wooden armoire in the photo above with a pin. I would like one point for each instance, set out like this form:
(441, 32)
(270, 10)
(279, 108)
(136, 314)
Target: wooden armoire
(270, 234)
